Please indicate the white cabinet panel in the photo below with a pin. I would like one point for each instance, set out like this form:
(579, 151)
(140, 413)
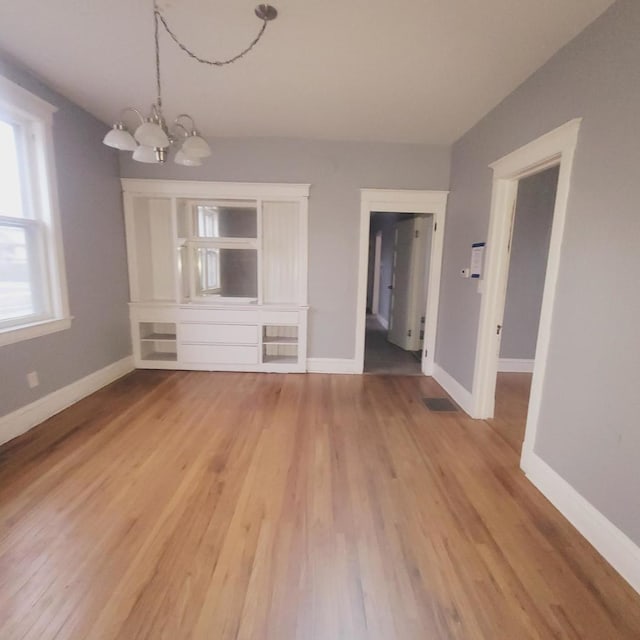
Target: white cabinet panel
(280, 317)
(217, 354)
(240, 316)
(143, 313)
(219, 333)
(281, 252)
(151, 227)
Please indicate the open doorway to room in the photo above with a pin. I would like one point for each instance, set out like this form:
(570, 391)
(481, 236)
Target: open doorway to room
(527, 265)
(554, 150)
(432, 205)
(397, 289)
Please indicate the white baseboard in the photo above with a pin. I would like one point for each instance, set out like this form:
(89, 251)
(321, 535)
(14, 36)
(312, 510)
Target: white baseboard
(21, 420)
(332, 365)
(459, 394)
(616, 548)
(383, 321)
(515, 365)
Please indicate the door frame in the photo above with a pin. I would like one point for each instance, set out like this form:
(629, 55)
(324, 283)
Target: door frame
(402, 201)
(556, 148)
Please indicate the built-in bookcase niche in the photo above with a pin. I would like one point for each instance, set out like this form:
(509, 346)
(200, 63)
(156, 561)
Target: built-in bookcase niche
(279, 344)
(217, 274)
(158, 341)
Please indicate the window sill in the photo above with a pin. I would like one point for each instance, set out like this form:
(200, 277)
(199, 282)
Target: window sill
(34, 330)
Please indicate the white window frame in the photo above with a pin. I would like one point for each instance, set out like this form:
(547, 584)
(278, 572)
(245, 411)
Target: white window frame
(36, 116)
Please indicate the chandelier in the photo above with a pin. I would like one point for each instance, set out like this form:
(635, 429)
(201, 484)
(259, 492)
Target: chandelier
(152, 137)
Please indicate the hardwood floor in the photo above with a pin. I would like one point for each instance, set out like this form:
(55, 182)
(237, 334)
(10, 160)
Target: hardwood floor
(216, 506)
(512, 403)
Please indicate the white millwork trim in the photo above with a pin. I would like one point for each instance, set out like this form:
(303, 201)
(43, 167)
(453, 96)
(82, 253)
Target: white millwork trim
(516, 365)
(21, 420)
(616, 548)
(460, 395)
(552, 149)
(332, 365)
(203, 189)
(402, 201)
(35, 330)
(16, 97)
(38, 165)
(383, 321)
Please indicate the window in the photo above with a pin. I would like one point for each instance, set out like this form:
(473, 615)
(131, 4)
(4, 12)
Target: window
(33, 297)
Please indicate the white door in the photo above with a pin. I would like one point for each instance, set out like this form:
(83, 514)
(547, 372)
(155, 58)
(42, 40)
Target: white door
(408, 275)
(377, 258)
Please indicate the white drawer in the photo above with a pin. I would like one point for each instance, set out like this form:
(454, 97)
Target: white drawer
(219, 333)
(217, 354)
(240, 316)
(280, 317)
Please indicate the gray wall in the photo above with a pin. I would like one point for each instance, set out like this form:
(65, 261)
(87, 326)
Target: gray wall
(96, 264)
(337, 171)
(588, 425)
(528, 264)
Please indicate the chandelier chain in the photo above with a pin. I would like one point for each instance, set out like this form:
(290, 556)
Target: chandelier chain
(191, 54)
(157, 43)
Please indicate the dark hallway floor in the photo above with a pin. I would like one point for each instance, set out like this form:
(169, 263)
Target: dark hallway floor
(380, 356)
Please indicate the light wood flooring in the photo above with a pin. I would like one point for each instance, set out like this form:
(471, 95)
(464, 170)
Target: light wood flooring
(512, 403)
(175, 505)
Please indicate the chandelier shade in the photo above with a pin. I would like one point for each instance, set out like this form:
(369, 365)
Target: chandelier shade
(185, 160)
(120, 138)
(196, 147)
(152, 138)
(146, 154)
(151, 134)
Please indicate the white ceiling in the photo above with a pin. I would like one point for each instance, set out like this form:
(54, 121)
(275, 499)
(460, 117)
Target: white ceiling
(401, 70)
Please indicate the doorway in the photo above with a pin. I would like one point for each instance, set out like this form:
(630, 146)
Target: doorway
(412, 202)
(556, 148)
(397, 292)
(528, 253)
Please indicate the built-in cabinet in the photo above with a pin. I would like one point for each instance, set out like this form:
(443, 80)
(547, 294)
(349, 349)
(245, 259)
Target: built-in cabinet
(218, 275)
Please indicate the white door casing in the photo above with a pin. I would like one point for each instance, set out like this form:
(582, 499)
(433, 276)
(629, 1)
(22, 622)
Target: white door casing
(410, 201)
(554, 148)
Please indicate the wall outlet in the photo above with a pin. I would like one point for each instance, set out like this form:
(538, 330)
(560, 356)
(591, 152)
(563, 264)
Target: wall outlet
(32, 379)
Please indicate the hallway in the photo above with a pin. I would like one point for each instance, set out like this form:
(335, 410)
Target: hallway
(382, 357)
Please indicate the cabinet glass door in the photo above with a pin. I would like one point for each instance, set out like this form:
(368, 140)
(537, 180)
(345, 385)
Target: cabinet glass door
(225, 220)
(226, 273)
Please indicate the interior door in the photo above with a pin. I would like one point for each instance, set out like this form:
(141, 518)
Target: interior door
(401, 318)
(505, 283)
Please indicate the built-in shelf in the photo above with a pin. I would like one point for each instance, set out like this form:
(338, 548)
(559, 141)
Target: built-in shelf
(159, 337)
(279, 344)
(161, 356)
(280, 359)
(158, 341)
(279, 340)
